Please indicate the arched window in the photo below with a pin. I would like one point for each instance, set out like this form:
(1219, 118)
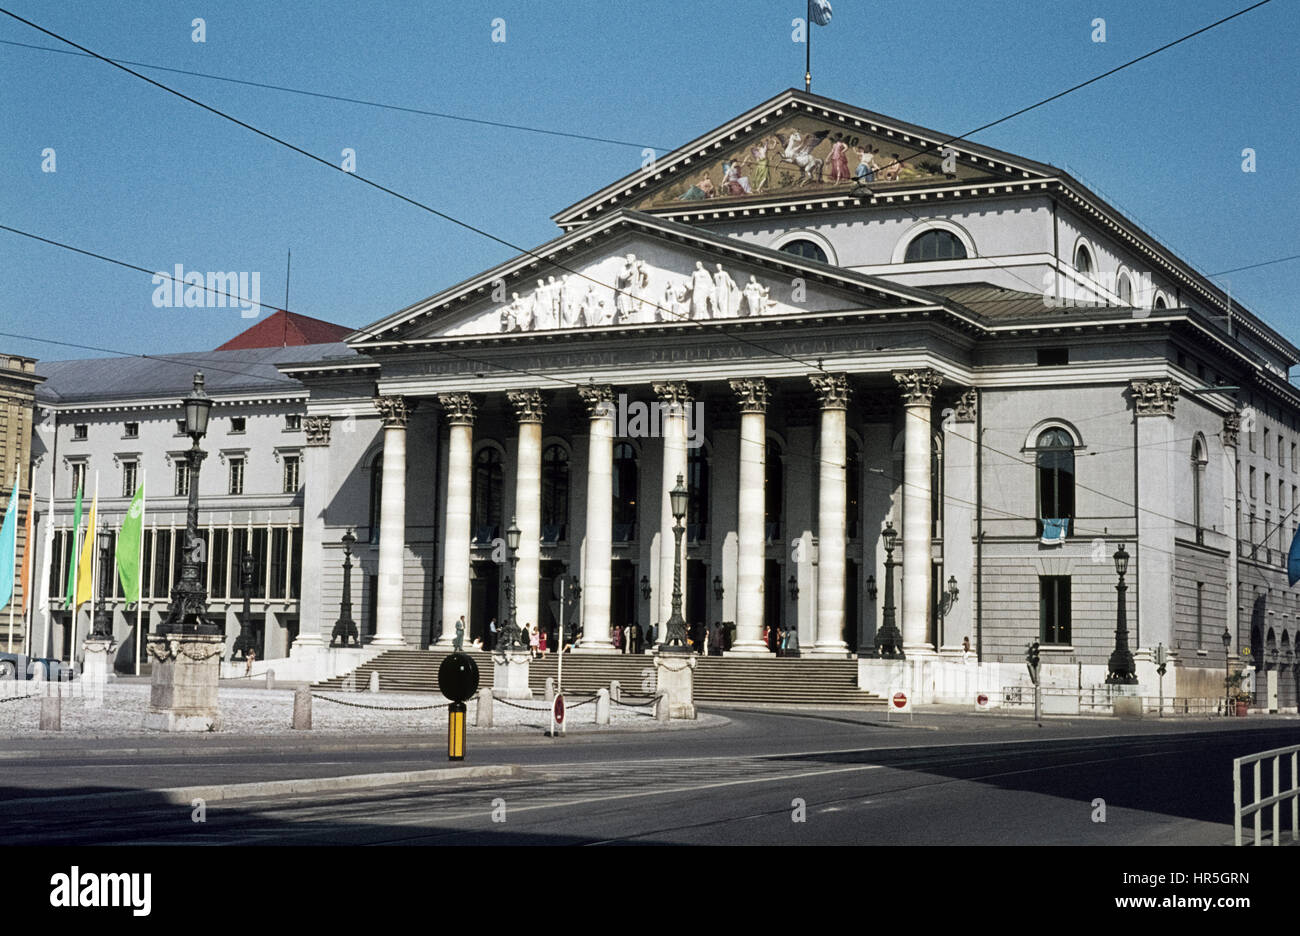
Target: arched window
(376, 495)
(1198, 485)
(555, 493)
(935, 244)
(487, 494)
(1124, 287)
(1054, 459)
(625, 482)
(1083, 260)
(773, 491)
(806, 249)
(853, 488)
(1160, 302)
(697, 506)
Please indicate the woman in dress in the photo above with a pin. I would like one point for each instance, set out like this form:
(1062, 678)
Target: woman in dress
(541, 641)
(758, 172)
(839, 161)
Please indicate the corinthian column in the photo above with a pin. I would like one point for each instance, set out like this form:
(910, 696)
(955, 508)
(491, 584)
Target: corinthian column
(458, 408)
(674, 397)
(750, 538)
(596, 577)
(833, 392)
(315, 495)
(529, 410)
(917, 388)
(395, 411)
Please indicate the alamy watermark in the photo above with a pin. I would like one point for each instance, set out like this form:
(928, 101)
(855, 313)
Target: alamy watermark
(195, 290)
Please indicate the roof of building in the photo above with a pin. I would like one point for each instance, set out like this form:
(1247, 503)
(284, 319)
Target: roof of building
(287, 329)
(999, 305)
(226, 373)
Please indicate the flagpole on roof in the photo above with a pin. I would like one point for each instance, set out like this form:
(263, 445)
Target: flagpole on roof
(288, 265)
(807, 62)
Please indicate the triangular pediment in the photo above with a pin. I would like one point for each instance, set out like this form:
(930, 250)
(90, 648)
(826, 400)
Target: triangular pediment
(636, 271)
(803, 147)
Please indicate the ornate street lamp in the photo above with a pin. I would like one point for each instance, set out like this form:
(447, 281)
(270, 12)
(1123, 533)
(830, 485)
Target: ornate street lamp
(345, 628)
(1120, 670)
(718, 590)
(645, 588)
(792, 586)
(675, 634)
(103, 624)
(509, 638)
(889, 642)
(247, 576)
(946, 601)
(872, 591)
(189, 599)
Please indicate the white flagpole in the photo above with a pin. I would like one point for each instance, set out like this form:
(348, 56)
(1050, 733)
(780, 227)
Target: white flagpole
(74, 562)
(45, 568)
(95, 570)
(29, 560)
(139, 574)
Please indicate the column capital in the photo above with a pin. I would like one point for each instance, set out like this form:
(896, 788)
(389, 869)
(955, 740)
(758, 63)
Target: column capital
(599, 399)
(1154, 397)
(832, 390)
(967, 406)
(1232, 428)
(529, 405)
(918, 385)
(459, 409)
(753, 393)
(317, 429)
(674, 393)
(396, 410)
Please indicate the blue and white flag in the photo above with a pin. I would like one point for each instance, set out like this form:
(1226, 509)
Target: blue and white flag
(1054, 531)
(819, 11)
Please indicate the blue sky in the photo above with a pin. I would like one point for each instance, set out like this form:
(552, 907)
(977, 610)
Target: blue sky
(146, 178)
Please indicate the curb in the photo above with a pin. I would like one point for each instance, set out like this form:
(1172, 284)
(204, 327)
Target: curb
(217, 793)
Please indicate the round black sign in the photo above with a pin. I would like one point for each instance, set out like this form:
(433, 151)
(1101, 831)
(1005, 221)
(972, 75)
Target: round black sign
(458, 677)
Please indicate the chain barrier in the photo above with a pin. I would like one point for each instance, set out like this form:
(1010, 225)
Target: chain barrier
(381, 708)
(635, 704)
(526, 708)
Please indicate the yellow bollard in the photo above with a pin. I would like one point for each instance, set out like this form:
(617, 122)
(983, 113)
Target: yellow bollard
(456, 731)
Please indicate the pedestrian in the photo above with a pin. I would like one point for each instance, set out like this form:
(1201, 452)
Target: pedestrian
(704, 643)
(249, 659)
(459, 640)
(541, 641)
(492, 634)
(767, 637)
(618, 637)
(533, 639)
(782, 640)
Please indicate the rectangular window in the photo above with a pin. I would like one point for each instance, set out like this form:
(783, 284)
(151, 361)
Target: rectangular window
(292, 422)
(1054, 609)
(128, 478)
(1252, 482)
(78, 477)
(79, 432)
(1267, 443)
(1268, 488)
(162, 562)
(279, 560)
(237, 424)
(1281, 454)
(219, 559)
(236, 476)
(182, 488)
(131, 430)
(1293, 467)
(295, 565)
(290, 474)
(1200, 615)
(1053, 357)
(180, 427)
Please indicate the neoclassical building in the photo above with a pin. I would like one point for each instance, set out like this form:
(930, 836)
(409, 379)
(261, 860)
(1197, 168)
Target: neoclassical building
(824, 320)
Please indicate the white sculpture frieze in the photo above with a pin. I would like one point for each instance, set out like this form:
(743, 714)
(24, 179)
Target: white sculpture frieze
(639, 295)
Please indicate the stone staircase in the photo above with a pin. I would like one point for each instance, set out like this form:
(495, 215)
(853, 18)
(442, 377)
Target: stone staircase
(778, 681)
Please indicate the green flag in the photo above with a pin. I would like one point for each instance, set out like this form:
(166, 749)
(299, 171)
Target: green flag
(72, 548)
(128, 548)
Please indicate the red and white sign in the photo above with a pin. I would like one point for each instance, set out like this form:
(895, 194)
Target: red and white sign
(982, 700)
(558, 710)
(900, 701)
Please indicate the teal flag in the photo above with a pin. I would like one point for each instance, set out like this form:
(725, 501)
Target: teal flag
(8, 547)
(1292, 560)
(72, 547)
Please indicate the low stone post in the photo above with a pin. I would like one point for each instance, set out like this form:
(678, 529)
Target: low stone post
(483, 712)
(661, 708)
(52, 713)
(94, 671)
(550, 689)
(302, 709)
(374, 680)
(270, 679)
(510, 674)
(602, 706)
(184, 696)
(616, 690)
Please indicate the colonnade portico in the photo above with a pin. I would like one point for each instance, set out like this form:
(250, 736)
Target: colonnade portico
(593, 547)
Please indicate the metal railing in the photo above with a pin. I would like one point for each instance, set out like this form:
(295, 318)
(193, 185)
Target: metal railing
(1260, 802)
(1100, 700)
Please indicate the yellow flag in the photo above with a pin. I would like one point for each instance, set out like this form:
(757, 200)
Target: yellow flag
(85, 565)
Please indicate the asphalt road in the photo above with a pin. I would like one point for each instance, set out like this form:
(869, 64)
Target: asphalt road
(765, 778)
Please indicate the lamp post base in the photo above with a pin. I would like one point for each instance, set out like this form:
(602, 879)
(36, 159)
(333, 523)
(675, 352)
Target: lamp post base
(184, 690)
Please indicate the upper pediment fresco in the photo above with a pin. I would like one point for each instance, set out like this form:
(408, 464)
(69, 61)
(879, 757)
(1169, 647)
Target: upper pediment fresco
(807, 156)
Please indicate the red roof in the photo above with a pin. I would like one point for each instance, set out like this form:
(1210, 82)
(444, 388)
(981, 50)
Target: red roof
(287, 329)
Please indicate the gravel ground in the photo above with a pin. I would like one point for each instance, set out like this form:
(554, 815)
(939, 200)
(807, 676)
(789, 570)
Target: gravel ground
(270, 711)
